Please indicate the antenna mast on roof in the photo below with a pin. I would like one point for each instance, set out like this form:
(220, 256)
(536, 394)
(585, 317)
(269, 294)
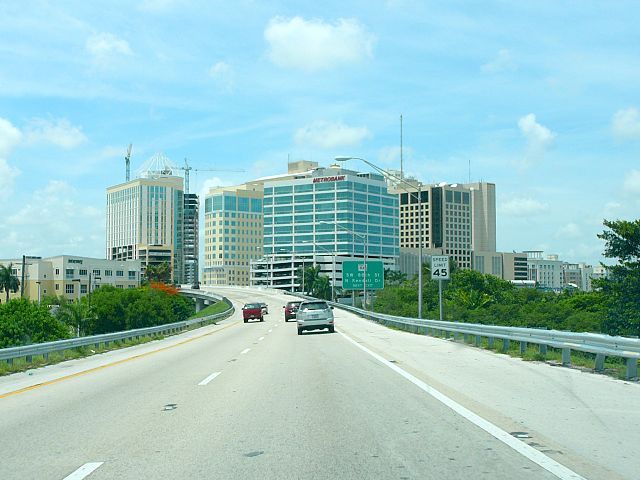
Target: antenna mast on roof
(127, 161)
(401, 166)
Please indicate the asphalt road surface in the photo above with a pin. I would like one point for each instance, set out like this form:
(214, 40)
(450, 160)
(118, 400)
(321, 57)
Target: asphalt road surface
(256, 400)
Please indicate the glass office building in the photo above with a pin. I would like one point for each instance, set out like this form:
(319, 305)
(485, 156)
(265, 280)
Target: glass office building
(322, 218)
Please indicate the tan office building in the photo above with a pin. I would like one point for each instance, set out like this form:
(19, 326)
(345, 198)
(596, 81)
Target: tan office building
(233, 233)
(71, 276)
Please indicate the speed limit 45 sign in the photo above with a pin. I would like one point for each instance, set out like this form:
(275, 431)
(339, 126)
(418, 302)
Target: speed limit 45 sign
(440, 267)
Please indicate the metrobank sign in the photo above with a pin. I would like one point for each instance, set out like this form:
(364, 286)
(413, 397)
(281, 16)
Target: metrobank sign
(337, 178)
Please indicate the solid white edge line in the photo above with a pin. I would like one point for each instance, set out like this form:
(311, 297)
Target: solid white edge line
(84, 471)
(260, 339)
(519, 446)
(244, 351)
(270, 331)
(209, 378)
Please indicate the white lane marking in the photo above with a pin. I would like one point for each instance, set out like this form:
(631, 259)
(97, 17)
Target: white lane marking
(84, 471)
(270, 331)
(209, 378)
(260, 339)
(519, 446)
(244, 351)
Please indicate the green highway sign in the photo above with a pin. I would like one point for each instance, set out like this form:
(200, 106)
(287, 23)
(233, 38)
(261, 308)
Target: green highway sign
(353, 275)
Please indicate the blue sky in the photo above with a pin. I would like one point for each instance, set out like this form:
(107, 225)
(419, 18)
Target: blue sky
(542, 98)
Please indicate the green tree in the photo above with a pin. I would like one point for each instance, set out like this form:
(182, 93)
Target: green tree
(394, 277)
(8, 281)
(158, 273)
(310, 277)
(76, 315)
(23, 322)
(621, 288)
(321, 287)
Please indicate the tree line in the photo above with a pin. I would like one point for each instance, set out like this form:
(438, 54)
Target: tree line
(107, 309)
(613, 307)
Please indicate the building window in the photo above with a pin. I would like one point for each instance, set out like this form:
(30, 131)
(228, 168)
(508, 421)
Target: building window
(82, 272)
(108, 273)
(69, 288)
(132, 275)
(96, 272)
(83, 289)
(57, 286)
(119, 273)
(69, 271)
(57, 271)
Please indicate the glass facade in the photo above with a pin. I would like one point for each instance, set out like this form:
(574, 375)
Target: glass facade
(331, 216)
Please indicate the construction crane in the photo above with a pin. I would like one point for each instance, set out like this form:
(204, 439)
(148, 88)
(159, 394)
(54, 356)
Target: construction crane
(127, 161)
(188, 169)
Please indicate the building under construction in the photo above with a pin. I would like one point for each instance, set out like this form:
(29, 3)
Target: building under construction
(152, 219)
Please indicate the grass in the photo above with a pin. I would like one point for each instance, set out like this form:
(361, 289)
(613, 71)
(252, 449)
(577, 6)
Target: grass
(21, 365)
(217, 307)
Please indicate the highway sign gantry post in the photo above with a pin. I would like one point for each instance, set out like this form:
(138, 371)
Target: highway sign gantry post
(440, 271)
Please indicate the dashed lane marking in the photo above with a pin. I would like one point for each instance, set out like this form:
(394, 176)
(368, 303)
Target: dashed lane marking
(84, 471)
(209, 378)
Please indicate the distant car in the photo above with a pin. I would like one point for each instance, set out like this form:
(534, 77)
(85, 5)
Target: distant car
(290, 310)
(265, 308)
(314, 315)
(252, 311)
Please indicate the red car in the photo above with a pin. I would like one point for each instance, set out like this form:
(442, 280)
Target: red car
(290, 310)
(252, 311)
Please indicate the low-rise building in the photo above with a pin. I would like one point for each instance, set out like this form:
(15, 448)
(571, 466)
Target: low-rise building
(71, 276)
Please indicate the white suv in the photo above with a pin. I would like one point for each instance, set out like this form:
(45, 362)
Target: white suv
(314, 315)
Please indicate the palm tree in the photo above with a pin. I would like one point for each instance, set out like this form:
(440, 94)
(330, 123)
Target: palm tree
(8, 281)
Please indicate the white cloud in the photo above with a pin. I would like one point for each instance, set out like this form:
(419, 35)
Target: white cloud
(104, 47)
(523, 207)
(330, 135)
(59, 132)
(626, 123)
(10, 136)
(212, 182)
(223, 75)
(503, 62)
(58, 214)
(391, 156)
(632, 182)
(313, 45)
(8, 174)
(570, 230)
(538, 136)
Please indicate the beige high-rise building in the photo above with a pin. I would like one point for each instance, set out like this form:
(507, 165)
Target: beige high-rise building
(457, 219)
(145, 217)
(233, 233)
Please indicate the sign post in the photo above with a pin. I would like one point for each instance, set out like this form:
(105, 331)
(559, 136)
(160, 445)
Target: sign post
(440, 272)
(358, 275)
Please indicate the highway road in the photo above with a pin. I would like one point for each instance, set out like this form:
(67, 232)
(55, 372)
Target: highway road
(256, 400)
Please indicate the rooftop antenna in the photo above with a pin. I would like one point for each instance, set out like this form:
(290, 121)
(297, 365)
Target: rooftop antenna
(401, 162)
(127, 161)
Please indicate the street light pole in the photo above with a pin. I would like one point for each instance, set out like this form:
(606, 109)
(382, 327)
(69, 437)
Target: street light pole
(365, 243)
(420, 232)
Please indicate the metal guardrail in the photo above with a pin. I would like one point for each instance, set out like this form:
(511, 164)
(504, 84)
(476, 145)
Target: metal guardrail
(601, 345)
(44, 349)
